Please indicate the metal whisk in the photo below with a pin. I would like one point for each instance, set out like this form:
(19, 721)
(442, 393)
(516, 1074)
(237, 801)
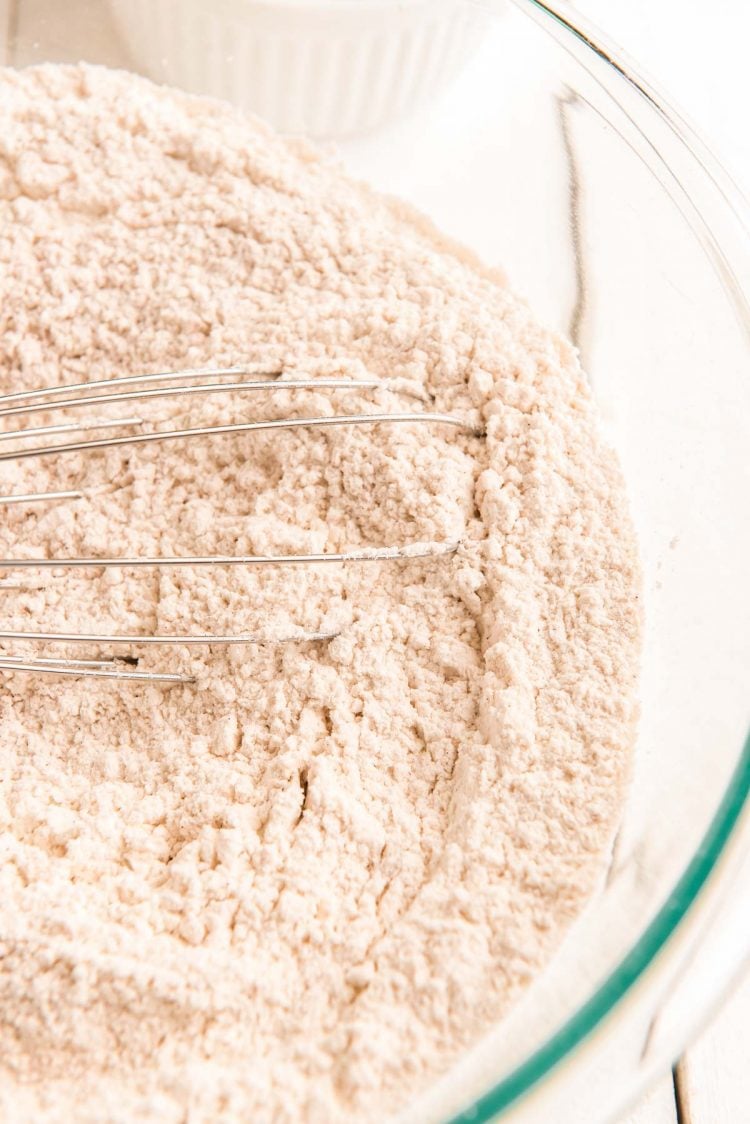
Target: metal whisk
(175, 385)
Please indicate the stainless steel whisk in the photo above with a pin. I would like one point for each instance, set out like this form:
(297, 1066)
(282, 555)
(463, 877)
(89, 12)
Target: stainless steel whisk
(143, 388)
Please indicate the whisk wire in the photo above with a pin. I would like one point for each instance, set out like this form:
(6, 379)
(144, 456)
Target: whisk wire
(116, 391)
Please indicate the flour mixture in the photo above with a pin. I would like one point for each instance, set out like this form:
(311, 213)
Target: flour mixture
(298, 889)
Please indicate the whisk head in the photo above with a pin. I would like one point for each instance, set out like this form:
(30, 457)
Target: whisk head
(32, 442)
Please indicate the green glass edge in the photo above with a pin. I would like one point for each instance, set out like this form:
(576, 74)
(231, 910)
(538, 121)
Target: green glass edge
(602, 1003)
(619, 982)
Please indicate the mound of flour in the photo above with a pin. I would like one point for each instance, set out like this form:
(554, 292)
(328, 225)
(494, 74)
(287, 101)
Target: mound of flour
(298, 889)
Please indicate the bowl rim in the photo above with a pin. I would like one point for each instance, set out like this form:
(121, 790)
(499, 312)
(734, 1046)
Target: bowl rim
(682, 901)
(582, 38)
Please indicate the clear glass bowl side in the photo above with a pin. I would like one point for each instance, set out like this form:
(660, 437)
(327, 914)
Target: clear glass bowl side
(648, 270)
(552, 159)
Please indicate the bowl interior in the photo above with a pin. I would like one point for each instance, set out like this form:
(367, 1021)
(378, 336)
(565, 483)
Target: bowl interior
(533, 161)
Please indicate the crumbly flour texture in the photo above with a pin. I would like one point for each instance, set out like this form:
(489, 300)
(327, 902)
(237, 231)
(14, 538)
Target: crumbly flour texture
(298, 889)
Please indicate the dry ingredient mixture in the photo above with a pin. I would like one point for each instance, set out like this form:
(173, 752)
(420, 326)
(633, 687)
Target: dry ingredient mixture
(299, 889)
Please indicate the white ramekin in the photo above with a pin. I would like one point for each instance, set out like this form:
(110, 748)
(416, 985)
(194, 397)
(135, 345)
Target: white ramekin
(321, 67)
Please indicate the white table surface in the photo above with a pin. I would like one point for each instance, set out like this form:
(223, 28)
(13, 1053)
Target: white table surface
(697, 52)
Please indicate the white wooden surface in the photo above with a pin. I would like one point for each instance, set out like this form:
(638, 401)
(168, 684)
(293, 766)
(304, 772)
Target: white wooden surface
(711, 1084)
(713, 1078)
(658, 1107)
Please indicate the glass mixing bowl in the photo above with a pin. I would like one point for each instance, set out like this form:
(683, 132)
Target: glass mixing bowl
(549, 155)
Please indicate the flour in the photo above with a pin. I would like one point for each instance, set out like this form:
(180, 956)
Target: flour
(300, 888)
